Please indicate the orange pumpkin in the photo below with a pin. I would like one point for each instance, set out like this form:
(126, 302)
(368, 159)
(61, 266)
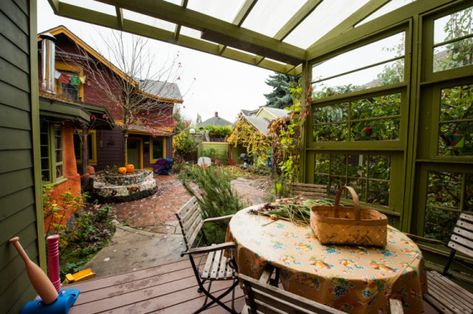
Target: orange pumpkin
(130, 168)
(122, 170)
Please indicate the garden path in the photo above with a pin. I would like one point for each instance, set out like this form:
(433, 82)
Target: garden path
(147, 232)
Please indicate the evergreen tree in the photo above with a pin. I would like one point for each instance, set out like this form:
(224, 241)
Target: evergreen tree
(280, 97)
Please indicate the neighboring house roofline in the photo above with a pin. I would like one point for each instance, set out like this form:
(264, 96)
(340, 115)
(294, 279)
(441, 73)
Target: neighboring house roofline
(61, 29)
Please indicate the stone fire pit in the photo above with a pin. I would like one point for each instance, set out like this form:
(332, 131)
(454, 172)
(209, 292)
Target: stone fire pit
(114, 187)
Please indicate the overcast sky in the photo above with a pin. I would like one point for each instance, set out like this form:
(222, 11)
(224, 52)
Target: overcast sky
(209, 83)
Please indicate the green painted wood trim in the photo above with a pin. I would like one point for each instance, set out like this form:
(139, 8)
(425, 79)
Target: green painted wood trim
(384, 22)
(59, 109)
(244, 12)
(350, 22)
(35, 133)
(306, 9)
(119, 13)
(102, 19)
(223, 30)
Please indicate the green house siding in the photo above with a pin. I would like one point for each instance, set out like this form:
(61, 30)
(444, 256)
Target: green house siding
(18, 120)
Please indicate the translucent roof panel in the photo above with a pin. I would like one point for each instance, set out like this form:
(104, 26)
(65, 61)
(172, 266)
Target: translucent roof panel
(225, 10)
(177, 2)
(93, 5)
(327, 15)
(146, 19)
(388, 7)
(267, 18)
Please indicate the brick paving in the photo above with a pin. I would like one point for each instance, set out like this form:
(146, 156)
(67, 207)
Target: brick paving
(155, 213)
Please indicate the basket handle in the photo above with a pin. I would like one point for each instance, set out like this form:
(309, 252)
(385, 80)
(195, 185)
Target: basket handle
(354, 197)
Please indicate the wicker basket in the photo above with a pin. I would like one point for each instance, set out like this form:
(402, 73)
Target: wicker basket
(335, 224)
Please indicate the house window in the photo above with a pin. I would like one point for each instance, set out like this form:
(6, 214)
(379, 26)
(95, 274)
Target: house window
(70, 81)
(157, 148)
(91, 146)
(52, 151)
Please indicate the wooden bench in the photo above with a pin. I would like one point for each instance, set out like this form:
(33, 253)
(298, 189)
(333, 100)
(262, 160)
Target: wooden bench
(260, 297)
(445, 295)
(307, 190)
(217, 266)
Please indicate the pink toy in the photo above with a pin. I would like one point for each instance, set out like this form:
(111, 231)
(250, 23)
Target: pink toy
(53, 261)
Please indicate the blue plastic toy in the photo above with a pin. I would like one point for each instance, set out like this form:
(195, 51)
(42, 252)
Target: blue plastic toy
(66, 298)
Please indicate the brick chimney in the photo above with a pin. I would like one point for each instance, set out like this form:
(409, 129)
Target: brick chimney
(216, 114)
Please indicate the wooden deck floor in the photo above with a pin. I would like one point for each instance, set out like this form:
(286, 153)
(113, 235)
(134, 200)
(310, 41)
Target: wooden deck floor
(169, 288)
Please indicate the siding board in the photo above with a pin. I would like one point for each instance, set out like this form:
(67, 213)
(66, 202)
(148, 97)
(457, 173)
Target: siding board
(17, 181)
(14, 139)
(11, 226)
(13, 54)
(10, 9)
(14, 33)
(14, 181)
(14, 118)
(21, 199)
(13, 97)
(15, 76)
(10, 253)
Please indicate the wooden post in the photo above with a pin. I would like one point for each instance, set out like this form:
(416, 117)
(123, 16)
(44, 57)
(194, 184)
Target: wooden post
(85, 150)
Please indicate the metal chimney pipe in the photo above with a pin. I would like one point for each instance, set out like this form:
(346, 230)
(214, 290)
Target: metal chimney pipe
(48, 62)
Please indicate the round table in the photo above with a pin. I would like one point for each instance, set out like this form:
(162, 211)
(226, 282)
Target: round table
(349, 278)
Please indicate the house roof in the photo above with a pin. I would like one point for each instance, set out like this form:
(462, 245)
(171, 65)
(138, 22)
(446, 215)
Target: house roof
(215, 120)
(163, 90)
(259, 123)
(276, 112)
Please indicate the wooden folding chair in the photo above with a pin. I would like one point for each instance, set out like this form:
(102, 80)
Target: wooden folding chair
(217, 266)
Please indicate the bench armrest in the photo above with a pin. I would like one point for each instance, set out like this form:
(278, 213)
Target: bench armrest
(217, 218)
(210, 248)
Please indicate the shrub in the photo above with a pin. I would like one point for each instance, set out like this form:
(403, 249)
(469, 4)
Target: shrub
(183, 144)
(214, 195)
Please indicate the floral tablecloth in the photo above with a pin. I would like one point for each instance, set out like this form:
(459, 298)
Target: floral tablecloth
(351, 279)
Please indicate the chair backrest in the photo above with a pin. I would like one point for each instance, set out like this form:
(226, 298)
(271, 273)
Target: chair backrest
(190, 221)
(462, 237)
(263, 298)
(307, 190)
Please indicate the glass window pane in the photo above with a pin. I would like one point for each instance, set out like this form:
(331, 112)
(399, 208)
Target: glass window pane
(338, 164)
(333, 113)
(322, 163)
(376, 130)
(379, 106)
(45, 175)
(378, 51)
(468, 206)
(90, 149)
(356, 165)
(379, 167)
(444, 190)
(439, 223)
(58, 155)
(453, 26)
(456, 103)
(378, 192)
(59, 172)
(381, 75)
(456, 31)
(456, 139)
(158, 148)
(330, 132)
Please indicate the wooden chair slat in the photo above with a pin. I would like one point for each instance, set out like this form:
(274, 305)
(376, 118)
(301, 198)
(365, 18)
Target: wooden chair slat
(216, 264)
(447, 300)
(460, 248)
(462, 240)
(195, 233)
(396, 306)
(190, 221)
(208, 264)
(307, 190)
(189, 213)
(439, 306)
(265, 308)
(465, 225)
(452, 288)
(223, 267)
(187, 206)
(280, 304)
(230, 272)
(465, 216)
(464, 233)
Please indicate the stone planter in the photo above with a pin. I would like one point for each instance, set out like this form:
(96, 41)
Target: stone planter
(115, 187)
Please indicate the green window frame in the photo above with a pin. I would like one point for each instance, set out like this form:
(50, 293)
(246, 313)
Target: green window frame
(355, 147)
(52, 152)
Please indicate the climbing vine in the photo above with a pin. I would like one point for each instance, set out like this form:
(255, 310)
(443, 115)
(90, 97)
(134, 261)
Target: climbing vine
(246, 135)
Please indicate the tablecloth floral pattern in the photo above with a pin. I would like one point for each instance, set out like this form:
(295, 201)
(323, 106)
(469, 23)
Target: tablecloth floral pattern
(351, 279)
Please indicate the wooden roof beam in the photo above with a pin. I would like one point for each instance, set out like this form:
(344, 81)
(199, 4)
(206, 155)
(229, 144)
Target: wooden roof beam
(177, 30)
(350, 22)
(119, 12)
(244, 12)
(215, 29)
(106, 20)
(297, 18)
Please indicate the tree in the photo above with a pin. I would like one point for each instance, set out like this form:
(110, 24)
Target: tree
(280, 97)
(131, 92)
